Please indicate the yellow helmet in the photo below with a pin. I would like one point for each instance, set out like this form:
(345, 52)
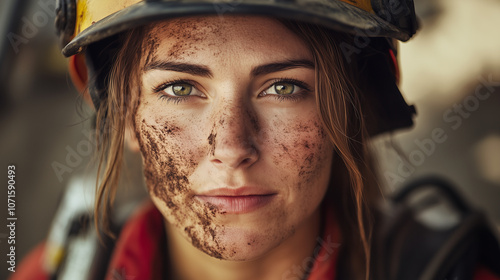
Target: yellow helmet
(83, 23)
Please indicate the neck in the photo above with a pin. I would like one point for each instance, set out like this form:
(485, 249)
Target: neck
(285, 260)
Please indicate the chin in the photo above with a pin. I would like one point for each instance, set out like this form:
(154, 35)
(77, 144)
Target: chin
(239, 244)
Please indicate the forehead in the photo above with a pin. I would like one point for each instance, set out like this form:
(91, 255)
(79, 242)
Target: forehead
(214, 37)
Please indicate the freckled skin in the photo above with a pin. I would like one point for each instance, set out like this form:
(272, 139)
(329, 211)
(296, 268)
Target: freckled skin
(231, 137)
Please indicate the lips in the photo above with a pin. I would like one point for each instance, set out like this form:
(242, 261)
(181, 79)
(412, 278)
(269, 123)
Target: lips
(237, 201)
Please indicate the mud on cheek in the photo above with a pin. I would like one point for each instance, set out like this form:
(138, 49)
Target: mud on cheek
(303, 150)
(167, 169)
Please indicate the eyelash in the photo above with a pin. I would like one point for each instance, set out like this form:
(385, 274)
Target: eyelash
(304, 90)
(176, 100)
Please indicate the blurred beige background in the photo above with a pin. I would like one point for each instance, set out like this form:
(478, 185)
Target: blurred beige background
(456, 52)
(451, 73)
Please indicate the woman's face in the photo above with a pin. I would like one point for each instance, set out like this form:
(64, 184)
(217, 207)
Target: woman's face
(234, 154)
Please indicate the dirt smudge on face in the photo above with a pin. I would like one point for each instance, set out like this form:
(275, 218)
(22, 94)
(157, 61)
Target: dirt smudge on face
(311, 165)
(150, 47)
(302, 146)
(167, 172)
(188, 34)
(211, 141)
(168, 129)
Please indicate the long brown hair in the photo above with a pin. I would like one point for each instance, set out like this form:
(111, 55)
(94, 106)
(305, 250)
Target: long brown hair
(117, 106)
(353, 188)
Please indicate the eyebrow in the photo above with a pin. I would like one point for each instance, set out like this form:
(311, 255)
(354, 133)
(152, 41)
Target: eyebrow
(194, 69)
(281, 66)
(204, 71)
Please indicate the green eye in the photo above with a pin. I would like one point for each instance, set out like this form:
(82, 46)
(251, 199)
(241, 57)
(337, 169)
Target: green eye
(284, 88)
(182, 89)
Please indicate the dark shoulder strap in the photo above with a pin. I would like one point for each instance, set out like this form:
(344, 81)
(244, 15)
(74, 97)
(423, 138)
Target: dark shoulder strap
(427, 231)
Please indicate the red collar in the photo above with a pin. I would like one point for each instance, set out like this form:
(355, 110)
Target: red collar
(139, 252)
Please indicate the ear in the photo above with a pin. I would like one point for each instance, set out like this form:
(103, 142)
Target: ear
(131, 139)
(78, 73)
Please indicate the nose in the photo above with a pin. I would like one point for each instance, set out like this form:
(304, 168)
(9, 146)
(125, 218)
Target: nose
(233, 137)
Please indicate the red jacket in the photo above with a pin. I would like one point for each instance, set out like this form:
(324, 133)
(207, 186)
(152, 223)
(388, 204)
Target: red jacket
(138, 256)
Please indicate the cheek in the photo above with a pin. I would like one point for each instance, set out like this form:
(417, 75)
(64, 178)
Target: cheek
(303, 152)
(169, 153)
(161, 164)
(168, 164)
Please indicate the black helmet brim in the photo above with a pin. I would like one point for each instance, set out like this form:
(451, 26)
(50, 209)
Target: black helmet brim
(336, 15)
